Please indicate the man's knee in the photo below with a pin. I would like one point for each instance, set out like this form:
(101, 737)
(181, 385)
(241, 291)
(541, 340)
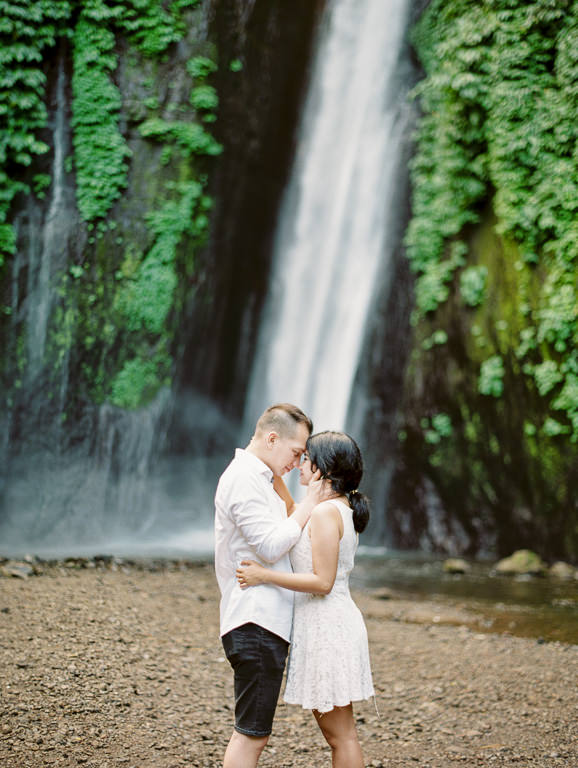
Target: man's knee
(248, 743)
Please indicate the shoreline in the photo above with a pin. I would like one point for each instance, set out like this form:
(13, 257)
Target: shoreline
(121, 665)
(543, 622)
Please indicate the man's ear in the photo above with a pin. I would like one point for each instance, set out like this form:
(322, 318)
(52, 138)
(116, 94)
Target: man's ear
(272, 438)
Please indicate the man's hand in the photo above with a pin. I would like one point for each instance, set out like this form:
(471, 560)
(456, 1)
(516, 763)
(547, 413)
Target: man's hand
(317, 491)
(319, 488)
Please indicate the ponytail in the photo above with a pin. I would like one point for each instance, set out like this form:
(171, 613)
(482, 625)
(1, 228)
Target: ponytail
(360, 505)
(338, 458)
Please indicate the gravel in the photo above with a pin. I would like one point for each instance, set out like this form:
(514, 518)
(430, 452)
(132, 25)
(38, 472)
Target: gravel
(105, 663)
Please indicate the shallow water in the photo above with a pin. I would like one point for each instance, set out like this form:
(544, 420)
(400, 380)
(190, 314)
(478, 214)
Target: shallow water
(541, 607)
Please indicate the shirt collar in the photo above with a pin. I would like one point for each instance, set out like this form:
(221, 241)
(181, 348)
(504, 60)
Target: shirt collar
(255, 461)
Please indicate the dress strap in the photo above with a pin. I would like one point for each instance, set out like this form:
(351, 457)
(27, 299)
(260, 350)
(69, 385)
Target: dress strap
(341, 505)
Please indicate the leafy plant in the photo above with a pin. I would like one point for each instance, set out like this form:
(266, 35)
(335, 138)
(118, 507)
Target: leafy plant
(122, 317)
(499, 102)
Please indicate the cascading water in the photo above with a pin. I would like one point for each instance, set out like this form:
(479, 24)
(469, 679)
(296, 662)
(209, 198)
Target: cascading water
(102, 483)
(40, 289)
(98, 489)
(332, 245)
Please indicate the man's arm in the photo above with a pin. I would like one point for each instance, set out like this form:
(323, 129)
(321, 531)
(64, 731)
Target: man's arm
(282, 491)
(269, 538)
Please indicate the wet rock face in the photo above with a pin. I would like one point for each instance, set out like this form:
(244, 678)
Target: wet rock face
(268, 44)
(499, 482)
(262, 51)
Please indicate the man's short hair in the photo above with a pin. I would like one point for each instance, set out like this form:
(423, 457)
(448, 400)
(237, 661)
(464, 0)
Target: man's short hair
(283, 419)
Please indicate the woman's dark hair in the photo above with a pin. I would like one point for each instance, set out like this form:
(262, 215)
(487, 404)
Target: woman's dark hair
(338, 457)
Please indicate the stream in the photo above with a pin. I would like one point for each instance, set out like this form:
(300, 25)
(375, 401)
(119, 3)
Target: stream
(527, 606)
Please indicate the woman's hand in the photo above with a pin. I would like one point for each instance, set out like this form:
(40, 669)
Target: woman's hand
(251, 575)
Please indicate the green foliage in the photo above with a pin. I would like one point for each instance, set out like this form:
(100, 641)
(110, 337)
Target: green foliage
(147, 294)
(567, 401)
(40, 182)
(473, 285)
(153, 26)
(499, 102)
(26, 31)
(146, 299)
(437, 338)
(547, 375)
(553, 428)
(137, 383)
(100, 150)
(121, 316)
(491, 381)
(149, 286)
(433, 289)
(200, 67)
(190, 138)
(204, 97)
(441, 426)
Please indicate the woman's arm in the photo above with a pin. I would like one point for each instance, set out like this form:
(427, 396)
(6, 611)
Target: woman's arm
(326, 531)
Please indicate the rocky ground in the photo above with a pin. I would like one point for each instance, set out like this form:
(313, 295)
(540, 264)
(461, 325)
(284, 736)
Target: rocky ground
(106, 664)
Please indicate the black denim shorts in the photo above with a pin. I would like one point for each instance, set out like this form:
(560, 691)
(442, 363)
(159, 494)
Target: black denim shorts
(258, 660)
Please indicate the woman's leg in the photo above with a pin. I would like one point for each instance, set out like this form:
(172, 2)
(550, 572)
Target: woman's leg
(338, 727)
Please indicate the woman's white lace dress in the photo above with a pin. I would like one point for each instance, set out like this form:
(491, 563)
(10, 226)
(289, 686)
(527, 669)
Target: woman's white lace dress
(329, 657)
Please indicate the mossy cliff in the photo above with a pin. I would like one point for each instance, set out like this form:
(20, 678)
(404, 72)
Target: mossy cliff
(105, 96)
(489, 427)
(146, 147)
(111, 164)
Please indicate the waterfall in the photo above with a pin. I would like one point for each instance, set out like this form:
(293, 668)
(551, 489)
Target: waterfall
(331, 248)
(40, 289)
(100, 484)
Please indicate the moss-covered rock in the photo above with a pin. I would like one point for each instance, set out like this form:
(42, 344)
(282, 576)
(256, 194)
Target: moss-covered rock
(562, 570)
(456, 565)
(524, 561)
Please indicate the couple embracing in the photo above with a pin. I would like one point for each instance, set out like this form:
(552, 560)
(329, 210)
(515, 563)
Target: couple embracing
(283, 572)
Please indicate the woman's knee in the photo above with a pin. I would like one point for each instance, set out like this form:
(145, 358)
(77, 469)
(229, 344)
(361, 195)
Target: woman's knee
(337, 726)
(339, 739)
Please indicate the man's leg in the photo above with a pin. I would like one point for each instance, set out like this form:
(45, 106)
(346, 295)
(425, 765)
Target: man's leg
(244, 751)
(258, 660)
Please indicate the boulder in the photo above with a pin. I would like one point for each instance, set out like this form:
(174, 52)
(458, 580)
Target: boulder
(17, 570)
(562, 570)
(523, 561)
(456, 565)
(382, 593)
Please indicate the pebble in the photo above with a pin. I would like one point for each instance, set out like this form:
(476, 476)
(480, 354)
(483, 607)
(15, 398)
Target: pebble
(104, 668)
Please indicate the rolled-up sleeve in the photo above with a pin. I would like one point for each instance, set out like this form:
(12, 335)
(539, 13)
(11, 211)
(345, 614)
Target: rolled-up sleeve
(268, 536)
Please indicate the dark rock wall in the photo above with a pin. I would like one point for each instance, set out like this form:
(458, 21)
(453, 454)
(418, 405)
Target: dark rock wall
(258, 115)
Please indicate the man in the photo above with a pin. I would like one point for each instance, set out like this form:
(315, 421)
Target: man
(251, 522)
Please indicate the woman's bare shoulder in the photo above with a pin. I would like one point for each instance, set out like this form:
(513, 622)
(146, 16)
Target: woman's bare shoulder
(326, 510)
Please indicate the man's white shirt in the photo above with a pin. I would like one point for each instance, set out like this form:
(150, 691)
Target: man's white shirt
(251, 523)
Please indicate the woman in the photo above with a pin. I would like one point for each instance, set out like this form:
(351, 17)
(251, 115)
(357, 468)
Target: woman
(329, 658)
